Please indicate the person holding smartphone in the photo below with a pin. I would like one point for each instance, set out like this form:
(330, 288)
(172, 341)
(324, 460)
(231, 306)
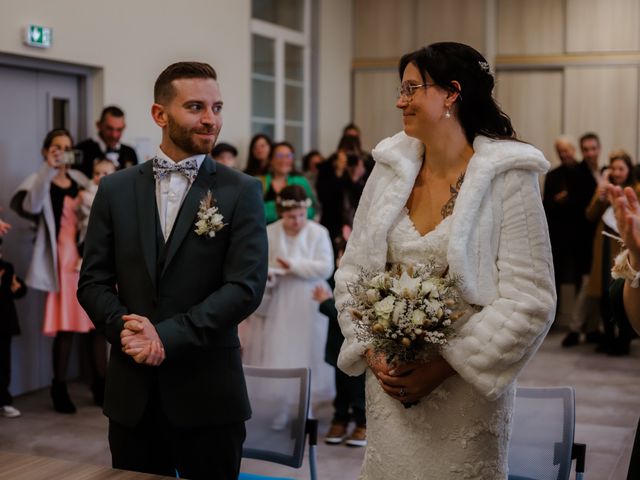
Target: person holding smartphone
(50, 199)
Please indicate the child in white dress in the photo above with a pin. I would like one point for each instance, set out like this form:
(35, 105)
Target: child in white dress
(300, 257)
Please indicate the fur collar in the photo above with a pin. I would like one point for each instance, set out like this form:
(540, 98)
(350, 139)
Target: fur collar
(475, 219)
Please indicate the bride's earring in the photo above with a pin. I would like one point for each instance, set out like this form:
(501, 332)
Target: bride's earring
(447, 114)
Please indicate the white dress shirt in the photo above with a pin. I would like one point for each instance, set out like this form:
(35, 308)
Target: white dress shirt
(111, 156)
(171, 192)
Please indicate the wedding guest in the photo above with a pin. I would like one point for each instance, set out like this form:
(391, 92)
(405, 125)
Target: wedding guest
(310, 167)
(50, 199)
(107, 144)
(101, 168)
(349, 402)
(310, 163)
(11, 287)
(456, 187)
(624, 291)
(605, 249)
(225, 154)
(259, 150)
(586, 312)
(330, 188)
(300, 257)
(563, 214)
(351, 130)
(353, 183)
(281, 174)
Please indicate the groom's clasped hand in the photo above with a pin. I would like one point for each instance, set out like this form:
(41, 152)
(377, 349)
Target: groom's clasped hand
(140, 340)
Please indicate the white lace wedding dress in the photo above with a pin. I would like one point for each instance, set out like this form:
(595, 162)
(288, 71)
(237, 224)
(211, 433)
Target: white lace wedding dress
(455, 432)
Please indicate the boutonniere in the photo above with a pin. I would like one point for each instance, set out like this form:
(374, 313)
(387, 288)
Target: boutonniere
(210, 220)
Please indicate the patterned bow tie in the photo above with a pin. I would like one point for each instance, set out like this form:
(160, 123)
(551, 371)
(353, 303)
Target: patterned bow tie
(163, 167)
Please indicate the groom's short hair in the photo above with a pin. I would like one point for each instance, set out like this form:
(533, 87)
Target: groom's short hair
(163, 91)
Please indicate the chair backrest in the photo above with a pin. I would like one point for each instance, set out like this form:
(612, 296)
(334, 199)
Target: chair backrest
(542, 434)
(280, 405)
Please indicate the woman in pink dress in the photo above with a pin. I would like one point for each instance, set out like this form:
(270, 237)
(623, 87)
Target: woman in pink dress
(50, 197)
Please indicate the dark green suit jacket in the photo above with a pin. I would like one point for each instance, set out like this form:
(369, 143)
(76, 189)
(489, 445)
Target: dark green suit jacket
(195, 300)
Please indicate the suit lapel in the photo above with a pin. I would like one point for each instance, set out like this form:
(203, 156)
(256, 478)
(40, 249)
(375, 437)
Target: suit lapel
(187, 215)
(147, 211)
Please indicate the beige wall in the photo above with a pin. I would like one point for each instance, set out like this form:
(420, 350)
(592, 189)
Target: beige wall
(562, 66)
(383, 32)
(130, 42)
(334, 82)
(593, 49)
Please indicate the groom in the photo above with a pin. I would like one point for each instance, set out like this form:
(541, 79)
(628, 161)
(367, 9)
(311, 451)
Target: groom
(168, 294)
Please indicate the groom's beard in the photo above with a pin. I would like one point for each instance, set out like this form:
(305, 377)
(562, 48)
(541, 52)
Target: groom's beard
(188, 142)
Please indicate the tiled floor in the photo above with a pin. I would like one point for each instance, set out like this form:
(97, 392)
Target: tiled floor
(607, 398)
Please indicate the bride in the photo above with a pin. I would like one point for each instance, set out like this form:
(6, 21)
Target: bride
(459, 187)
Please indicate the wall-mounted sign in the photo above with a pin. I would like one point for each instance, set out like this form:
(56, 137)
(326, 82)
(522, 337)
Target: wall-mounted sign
(38, 36)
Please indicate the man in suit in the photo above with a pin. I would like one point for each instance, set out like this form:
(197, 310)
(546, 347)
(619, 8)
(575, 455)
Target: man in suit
(110, 129)
(167, 278)
(586, 313)
(563, 215)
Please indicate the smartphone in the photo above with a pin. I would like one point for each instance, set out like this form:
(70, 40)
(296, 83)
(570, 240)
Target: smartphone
(71, 157)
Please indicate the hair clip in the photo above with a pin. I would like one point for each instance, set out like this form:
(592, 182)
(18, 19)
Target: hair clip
(484, 66)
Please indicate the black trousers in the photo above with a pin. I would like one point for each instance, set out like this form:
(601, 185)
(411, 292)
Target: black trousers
(155, 446)
(349, 396)
(5, 370)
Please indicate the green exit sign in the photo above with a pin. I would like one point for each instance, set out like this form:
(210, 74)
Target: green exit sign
(38, 36)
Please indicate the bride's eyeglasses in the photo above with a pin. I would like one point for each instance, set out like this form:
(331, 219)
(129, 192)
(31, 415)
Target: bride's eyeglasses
(406, 90)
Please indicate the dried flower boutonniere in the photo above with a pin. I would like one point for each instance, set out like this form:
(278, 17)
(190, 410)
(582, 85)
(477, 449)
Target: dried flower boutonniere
(209, 220)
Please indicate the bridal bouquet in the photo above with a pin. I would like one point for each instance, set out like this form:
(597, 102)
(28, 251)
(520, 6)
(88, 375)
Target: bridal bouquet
(406, 312)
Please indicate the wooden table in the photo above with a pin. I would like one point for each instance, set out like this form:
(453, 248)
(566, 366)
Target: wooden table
(16, 466)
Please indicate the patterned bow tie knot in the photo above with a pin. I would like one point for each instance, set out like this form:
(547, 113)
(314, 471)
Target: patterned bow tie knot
(163, 167)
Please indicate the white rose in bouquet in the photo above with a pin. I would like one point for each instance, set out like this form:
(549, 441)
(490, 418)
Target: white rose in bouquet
(384, 307)
(418, 317)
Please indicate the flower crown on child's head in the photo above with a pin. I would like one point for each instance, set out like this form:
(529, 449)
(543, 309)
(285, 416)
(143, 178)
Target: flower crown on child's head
(306, 203)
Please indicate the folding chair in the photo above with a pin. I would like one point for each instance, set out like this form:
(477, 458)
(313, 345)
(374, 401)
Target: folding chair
(279, 425)
(541, 446)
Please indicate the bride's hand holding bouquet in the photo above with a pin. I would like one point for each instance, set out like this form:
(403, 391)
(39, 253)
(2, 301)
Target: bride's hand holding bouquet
(406, 315)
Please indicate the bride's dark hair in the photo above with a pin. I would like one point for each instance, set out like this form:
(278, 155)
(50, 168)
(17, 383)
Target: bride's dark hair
(477, 111)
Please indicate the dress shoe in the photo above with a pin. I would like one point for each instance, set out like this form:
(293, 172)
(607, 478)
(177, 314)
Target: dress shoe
(358, 437)
(61, 401)
(337, 433)
(572, 338)
(620, 348)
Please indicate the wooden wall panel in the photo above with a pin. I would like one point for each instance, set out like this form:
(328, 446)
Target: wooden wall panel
(603, 100)
(375, 112)
(533, 100)
(530, 27)
(602, 25)
(454, 20)
(383, 28)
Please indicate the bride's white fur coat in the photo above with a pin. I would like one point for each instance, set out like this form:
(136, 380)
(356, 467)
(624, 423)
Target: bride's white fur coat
(499, 245)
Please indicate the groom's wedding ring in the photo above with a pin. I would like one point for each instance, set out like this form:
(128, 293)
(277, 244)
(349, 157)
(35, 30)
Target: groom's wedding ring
(402, 393)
